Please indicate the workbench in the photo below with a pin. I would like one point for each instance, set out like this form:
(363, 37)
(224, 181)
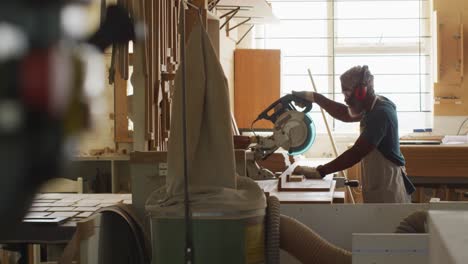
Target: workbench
(436, 160)
(52, 217)
(436, 170)
(301, 197)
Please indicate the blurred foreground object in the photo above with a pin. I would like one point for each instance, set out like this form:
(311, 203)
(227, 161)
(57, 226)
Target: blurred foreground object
(51, 68)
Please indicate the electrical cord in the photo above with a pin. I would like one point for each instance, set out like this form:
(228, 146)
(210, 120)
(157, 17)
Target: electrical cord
(252, 129)
(461, 126)
(187, 214)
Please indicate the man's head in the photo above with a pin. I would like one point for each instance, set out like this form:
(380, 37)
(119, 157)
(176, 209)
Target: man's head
(357, 85)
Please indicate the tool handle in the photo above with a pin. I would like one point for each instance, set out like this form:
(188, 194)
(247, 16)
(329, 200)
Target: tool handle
(286, 102)
(300, 100)
(352, 183)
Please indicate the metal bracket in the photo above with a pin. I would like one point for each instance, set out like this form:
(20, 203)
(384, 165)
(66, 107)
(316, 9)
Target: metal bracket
(212, 4)
(245, 34)
(240, 24)
(229, 15)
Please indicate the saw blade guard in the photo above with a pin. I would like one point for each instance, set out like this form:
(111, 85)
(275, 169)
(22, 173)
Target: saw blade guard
(307, 140)
(294, 131)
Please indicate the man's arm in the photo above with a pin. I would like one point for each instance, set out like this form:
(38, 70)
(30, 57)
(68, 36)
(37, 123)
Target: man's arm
(336, 110)
(350, 157)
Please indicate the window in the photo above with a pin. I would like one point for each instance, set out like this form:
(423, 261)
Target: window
(331, 36)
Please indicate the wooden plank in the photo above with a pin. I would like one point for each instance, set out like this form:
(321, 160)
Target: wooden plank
(54, 196)
(92, 200)
(86, 209)
(38, 209)
(304, 186)
(86, 204)
(63, 214)
(41, 204)
(46, 220)
(277, 162)
(61, 209)
(70, 200)
(45, 200)
(307, 185)
(37, 214)
(105, 204)
(305, 197)
(154, 118)
(84, 214)
(62, 204)
(436, 161)
(257, 81)
(121, 132)
(152, 53)
(112, 201)
(151, 157)
(339, 197)
(295, 178)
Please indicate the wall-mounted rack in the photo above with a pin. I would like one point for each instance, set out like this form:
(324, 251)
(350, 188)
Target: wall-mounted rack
(248, 12)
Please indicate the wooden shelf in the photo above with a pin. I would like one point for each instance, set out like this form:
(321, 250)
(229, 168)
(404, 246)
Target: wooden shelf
(456, 101)
(103, 157)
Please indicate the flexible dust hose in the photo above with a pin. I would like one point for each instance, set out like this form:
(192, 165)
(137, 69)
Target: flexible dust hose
(272, 243)
(307, 246)
(414, 223)
(298, 240)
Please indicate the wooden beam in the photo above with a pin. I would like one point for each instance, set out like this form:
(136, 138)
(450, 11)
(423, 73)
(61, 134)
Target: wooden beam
(121, 133)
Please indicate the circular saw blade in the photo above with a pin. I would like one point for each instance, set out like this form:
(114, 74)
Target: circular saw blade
(300, 131)
(306, 139)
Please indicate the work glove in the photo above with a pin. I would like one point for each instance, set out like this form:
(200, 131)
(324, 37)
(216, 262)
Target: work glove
(309, 96)
(308, 172)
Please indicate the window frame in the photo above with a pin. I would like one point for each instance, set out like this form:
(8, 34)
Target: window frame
(421, 49)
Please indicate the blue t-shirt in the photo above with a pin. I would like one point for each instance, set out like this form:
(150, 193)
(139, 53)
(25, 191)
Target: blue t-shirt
(379, 127)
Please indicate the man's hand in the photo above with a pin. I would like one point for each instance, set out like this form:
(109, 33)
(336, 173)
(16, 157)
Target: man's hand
(309, 96)
(308, 172)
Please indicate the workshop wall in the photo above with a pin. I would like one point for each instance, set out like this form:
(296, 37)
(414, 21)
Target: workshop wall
(449, 116)
(227, 45)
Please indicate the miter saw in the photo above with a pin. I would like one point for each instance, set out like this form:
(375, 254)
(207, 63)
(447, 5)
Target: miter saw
(293, 131)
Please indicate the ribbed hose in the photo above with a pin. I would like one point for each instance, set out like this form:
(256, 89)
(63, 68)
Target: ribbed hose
(272, 248)
(414, 223)
(298, 240)
(307, 246)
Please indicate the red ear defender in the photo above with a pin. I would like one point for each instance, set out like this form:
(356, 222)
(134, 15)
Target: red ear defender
(360, 93)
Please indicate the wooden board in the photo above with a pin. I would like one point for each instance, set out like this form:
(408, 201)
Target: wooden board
(63, 214)
(304, 186)
(61, 209)
(436, 161)
(38, 209)
(84, 214)
(121, 110)
(61, 204)
(41, 204)
(295, 178)
(46, 220)
(36, 214)
(257, 81)
(270, 187)
(86, 209)
(277, 162)
(300, 197)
